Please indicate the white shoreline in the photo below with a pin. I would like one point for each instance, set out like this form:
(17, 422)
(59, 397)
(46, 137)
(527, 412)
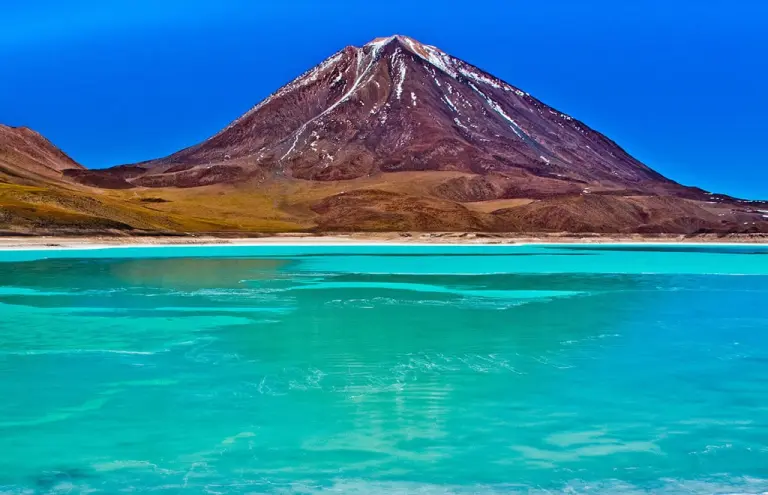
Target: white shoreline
(74, 244)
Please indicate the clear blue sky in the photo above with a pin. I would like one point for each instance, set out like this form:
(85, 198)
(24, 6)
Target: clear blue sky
(681, 84)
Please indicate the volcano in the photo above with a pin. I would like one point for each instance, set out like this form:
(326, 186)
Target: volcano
(398, 135)
(398, 105)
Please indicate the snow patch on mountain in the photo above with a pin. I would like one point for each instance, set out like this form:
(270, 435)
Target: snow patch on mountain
(480, 78)
(497, 108)
(450, 104)
(401, 70)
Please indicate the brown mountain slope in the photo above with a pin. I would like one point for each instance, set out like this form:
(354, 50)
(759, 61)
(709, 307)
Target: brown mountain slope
(402, 201)
(611, 214)
(376, 210)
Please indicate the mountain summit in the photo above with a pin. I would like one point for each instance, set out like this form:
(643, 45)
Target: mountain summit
(395, 104)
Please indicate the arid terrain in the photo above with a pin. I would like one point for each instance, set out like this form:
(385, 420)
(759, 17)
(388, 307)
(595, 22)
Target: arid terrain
(394, 136)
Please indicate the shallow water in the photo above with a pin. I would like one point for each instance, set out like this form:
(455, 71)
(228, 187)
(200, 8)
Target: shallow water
(496, 369)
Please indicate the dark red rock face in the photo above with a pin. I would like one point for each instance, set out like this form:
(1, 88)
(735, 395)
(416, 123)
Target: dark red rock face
(28, 156)
(395, 105)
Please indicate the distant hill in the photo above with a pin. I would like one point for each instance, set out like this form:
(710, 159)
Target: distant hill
(26, 156)
(37, 194)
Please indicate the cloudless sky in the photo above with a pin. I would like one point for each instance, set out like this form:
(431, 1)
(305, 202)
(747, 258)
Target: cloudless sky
(680, 84)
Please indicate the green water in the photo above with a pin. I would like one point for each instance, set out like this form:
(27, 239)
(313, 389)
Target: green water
(499, 369)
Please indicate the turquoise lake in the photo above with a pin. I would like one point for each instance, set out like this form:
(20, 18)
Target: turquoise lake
(385, 369)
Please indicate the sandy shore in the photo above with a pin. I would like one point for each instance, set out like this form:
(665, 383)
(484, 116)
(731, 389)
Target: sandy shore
(35, 242)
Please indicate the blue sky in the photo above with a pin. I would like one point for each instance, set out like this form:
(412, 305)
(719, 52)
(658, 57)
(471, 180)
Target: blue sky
(681, 84)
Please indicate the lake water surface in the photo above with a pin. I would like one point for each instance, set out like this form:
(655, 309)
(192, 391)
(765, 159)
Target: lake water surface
(385, 369)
